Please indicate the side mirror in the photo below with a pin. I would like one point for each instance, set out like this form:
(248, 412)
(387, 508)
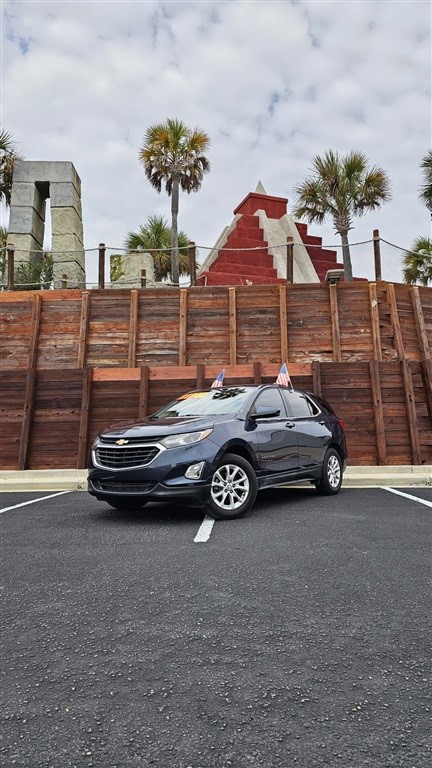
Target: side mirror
(265, 412)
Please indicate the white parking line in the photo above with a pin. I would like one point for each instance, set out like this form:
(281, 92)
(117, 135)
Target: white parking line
(205, 529)
(408, 496)
(33, 501)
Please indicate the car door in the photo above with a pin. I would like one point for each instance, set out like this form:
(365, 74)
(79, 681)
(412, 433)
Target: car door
(312, 430)
(276, 436)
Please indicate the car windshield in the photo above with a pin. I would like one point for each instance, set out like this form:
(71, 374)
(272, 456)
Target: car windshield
(214, 402)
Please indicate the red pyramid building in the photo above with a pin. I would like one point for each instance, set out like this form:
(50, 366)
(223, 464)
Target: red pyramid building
(252, 250)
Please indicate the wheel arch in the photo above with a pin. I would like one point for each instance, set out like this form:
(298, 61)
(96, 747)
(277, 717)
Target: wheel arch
(239, 449)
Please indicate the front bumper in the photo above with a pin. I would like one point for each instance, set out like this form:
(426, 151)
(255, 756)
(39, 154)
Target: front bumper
(162, 480)
(104, 487)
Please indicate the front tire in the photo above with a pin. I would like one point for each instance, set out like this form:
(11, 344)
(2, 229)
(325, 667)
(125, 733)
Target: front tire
(233, 488)
(331, 478)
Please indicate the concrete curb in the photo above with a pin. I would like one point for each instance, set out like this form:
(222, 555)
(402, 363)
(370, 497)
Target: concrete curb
(76, 479)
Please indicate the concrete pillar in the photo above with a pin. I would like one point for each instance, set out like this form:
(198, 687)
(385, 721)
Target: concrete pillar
(34, 182)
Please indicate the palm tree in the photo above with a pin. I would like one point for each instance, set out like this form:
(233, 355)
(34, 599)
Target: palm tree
(418, 262)
(8, 155)
(155, 237)
(426, 189)
(341, 187)
(175, 154)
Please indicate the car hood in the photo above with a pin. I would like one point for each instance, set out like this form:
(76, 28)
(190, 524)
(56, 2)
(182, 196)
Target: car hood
(157, 428)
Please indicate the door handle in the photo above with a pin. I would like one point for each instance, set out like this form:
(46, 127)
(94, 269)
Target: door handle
(290, 424)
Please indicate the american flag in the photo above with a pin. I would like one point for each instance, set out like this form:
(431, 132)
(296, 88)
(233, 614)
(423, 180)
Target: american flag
(283, 377)
(218, 382)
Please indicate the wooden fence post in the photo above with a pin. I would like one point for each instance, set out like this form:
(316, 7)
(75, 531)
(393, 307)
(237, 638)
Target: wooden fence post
(133, 328)
(101, 277)
(334, 312)
(290, 260)
(394, 319)
(420, 323)
(232, 309)
(377, 254)
(183, 326)
(143, 392)
(377, 406)
(283, 322)
(84, 419)
(316, 377)
(200, 375)
(10, 266)
(192, 262)
(375, 322)
(411, 412)
(30, 384)
(83, 329)
(257, 373)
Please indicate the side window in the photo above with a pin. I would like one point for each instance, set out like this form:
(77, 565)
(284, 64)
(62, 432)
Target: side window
(270, 397)
(299, 405)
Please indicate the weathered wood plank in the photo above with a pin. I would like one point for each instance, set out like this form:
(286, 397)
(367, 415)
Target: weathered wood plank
(283, 321)
(34, 335)
(143, 392)
(378, 412)
(84, 419)
(183, 326)
(420, 323)
(394, 318)
(84, 320)
(334, 314)
(375, 322)
(232, 312)
(316, 377)
(411, 412)
(133, 328)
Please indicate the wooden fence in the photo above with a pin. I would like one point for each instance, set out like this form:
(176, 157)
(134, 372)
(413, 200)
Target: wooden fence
(75, 361)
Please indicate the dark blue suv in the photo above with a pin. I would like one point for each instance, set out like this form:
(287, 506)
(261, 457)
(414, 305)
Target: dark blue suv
(216, 448)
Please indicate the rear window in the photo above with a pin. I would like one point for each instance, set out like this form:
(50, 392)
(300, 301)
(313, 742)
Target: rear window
(299, 404)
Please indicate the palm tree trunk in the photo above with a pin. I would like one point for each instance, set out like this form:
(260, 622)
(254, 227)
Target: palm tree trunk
(174, 234)
(346, 256)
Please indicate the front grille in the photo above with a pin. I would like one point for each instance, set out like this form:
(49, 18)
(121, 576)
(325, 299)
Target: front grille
(116, 457)
(113, 486)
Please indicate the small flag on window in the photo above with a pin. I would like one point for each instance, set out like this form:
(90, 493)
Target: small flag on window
(218, 382)
(283, 377)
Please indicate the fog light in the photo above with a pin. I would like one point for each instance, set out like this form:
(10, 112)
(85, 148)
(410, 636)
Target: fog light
(194, 471)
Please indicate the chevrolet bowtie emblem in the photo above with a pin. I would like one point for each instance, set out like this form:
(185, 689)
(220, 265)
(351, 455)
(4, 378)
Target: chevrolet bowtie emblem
(121, 442)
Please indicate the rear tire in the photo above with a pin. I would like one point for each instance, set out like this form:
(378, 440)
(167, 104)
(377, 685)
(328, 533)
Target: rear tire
(233, 488)
(331, 478)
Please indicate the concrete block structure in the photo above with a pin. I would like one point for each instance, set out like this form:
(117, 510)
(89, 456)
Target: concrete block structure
(33, 183)
(130, 266)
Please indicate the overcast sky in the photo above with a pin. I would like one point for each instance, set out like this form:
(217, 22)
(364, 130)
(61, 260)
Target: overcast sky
(273, 83)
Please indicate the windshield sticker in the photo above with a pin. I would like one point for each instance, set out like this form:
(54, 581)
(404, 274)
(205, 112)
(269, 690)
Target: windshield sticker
(192, 396)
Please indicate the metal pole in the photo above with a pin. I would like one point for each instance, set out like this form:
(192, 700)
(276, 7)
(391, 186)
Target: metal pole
(290, 260)
(64, 281)
(192, 262)
(101, 279)
(143, 278)
(377, 254)
(10, 266)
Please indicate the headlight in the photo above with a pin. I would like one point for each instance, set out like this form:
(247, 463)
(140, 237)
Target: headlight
(187, 438)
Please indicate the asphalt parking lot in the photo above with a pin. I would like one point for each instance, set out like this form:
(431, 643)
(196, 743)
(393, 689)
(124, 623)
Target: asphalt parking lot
(297, 636)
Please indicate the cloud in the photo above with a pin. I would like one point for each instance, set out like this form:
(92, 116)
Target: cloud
(272, 83)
